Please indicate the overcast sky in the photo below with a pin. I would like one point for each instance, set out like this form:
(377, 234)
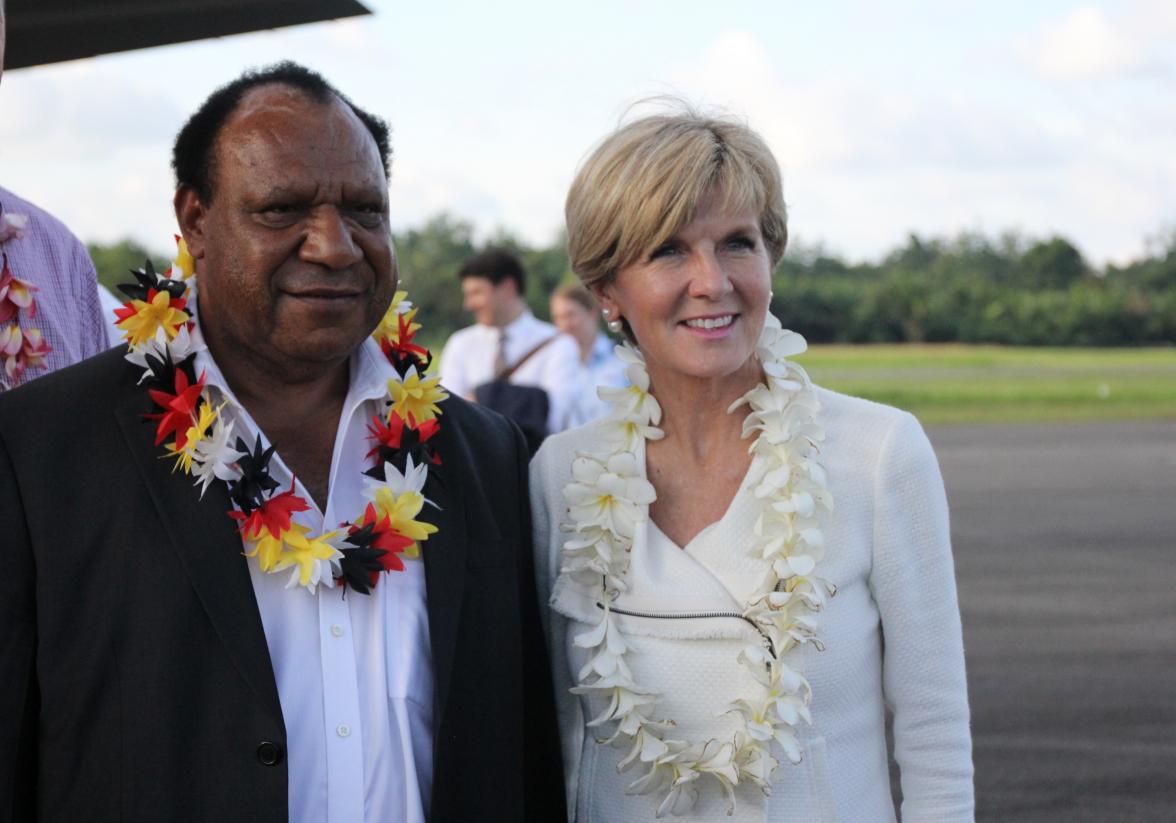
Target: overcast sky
(991, 115)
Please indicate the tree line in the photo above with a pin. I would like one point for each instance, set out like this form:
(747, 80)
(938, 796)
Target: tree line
(967, 289)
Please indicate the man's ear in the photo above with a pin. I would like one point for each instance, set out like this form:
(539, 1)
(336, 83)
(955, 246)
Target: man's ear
(190, 214)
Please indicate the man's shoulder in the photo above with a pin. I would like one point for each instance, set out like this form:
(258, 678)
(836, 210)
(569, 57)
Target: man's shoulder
(75, 394)
(480, 433)
(471, 420)
(466, 336)
(40, 221)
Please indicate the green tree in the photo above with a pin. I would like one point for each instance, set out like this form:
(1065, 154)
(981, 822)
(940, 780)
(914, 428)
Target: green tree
(116, 261)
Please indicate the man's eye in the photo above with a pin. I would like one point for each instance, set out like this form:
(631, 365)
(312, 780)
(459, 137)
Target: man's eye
(370, 215)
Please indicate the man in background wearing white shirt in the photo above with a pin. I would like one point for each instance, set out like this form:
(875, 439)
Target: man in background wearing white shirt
(492, 286)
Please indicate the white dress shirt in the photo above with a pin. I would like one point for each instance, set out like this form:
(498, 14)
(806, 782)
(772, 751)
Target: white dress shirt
(354, 673)
(468, 361)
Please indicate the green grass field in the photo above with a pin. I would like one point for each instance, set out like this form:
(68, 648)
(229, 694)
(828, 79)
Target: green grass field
(970, 384)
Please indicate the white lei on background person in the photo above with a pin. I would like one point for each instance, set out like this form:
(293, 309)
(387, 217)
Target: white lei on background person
(609, 500)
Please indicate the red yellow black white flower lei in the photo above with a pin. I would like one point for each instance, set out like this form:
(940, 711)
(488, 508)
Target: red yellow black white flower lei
(196, 428)
(21, 345)
(608, 501)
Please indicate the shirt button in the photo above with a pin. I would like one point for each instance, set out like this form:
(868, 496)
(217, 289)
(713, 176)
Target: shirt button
(343, 730)
(269, 754)
(337, 630)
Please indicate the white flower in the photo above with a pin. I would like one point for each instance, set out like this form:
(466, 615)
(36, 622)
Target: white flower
(609, 494)
(633, 400)
(608, 500)
(214, 458)
(178, 349)
(12, 226)
(625, 432)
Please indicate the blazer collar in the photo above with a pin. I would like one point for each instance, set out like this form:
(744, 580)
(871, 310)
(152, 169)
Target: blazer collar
(445, 559)
(209, 548)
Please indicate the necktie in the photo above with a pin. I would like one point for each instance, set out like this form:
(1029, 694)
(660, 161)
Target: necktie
(500, 354)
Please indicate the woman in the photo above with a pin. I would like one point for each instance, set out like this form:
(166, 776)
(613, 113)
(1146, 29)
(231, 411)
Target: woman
(573, 311)
(692, 542)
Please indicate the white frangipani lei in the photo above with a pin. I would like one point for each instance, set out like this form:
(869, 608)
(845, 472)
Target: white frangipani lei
(608, 501)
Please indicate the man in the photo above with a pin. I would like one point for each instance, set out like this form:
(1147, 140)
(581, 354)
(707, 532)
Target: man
(58, 321)
(506, 335)
(154, 673)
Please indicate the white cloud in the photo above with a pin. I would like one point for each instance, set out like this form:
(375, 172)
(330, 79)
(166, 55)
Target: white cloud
(866, 162)
(1087, 44)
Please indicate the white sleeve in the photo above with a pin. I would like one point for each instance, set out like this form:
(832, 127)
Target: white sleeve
(546, 503)
(453, 367)
(563, 379)
(913, 583)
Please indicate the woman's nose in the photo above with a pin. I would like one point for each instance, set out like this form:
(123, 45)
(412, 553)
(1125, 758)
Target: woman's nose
(708, 278)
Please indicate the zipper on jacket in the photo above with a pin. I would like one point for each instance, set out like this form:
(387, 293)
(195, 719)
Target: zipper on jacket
(695, 616)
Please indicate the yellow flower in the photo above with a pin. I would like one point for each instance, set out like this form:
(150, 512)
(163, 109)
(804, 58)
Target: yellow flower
(415, 400)
(400, 509)
(306, 554)
(140, 327)
(389, 328)
(197, 432)
(184, 261)
(294, 548)
(267, 549)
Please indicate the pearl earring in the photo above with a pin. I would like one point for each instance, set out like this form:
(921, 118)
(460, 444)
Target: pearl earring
(615, 326)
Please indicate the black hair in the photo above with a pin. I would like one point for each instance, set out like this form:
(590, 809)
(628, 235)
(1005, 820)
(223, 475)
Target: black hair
(495, 264)
(193, 153)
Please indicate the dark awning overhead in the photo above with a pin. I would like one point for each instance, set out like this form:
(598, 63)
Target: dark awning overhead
(50, 31)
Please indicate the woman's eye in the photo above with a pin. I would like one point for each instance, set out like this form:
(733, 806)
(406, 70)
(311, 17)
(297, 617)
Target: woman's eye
(664, 250)
(742, 243)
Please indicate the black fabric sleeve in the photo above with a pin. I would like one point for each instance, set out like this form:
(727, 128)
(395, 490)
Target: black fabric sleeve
(19, 695)
(544, 781)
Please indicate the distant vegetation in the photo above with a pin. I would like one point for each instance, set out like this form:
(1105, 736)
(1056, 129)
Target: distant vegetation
(953, 383)
(969, 289)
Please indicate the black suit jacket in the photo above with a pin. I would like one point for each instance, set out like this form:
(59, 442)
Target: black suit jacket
(135, 680)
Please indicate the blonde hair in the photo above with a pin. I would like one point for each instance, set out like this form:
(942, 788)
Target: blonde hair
(577, 294)
(647, 180)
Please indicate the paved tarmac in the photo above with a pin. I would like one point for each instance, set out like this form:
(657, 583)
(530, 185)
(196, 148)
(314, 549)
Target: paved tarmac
(1065, 550)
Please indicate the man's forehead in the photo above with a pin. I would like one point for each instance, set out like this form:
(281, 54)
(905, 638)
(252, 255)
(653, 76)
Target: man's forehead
(276, 119)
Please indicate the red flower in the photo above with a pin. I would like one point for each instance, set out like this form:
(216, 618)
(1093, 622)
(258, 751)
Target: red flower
(391, 435)
(179, 409)
(384, 537)
(273, 515)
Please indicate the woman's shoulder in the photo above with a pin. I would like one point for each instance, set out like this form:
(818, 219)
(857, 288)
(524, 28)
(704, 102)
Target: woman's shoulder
(839, 409)
(868, 430)
(552, 464)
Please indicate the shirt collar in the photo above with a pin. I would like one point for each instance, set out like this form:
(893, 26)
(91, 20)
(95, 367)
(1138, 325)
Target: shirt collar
(519, 323)
(368, 370)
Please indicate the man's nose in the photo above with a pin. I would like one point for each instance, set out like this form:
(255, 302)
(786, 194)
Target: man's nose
(708, 278)
(329, 241)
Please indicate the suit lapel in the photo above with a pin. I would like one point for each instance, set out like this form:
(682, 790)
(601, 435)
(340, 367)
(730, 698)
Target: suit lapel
(445, 557)
(209, 548)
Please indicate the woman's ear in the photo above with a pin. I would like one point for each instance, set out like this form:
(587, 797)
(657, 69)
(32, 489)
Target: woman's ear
(190, 214)
(603, 292)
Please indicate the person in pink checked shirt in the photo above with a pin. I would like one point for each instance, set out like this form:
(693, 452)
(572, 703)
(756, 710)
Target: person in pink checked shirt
(50, 316)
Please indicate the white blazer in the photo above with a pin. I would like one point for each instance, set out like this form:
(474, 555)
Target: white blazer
(891, 637)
